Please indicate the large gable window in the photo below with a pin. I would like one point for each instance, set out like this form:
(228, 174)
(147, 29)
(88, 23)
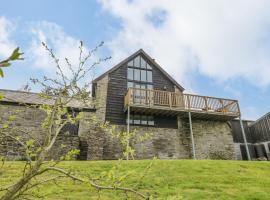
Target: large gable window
(139, 71)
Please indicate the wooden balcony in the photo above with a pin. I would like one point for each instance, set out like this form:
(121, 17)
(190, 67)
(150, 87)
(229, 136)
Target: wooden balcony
(171, 103)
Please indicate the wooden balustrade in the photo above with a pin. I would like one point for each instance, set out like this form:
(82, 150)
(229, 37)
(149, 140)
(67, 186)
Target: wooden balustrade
(181, 102)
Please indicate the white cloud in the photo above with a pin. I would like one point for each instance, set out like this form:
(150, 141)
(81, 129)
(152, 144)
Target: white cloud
(62, 44)
(7, 45)
(221, 39)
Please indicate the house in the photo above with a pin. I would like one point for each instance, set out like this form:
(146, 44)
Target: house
(139, 94)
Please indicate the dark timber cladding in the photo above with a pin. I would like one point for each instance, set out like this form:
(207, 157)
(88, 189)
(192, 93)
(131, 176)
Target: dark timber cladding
(237, 133)
(117, 88)
(261, 129)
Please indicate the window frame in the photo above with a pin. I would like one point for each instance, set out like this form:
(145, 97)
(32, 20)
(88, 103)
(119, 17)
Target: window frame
(149, 119)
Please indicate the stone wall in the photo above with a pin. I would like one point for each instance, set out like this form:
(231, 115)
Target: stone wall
(212, 137)
(29, 120)
(92, 136)
(101, 98)
(164, 143)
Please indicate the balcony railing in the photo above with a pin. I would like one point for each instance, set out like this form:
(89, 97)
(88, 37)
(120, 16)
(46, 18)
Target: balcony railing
(180, 102)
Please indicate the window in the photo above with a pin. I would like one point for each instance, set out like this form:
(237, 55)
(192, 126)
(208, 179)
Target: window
(137, 61)
(137, 76)
(150, 87)
(143, 63)
(130, 84)
(149, 76)
(144, 120)
(130, 63)
(137, 119)
(143, 75)
(130, 73)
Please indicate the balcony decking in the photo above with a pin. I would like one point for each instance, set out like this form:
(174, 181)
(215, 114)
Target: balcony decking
(171, 103)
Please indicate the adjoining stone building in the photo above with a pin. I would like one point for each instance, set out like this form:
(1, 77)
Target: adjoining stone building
(138, 94)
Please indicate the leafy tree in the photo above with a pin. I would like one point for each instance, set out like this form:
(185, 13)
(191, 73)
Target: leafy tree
(58, 93)
(16, 55)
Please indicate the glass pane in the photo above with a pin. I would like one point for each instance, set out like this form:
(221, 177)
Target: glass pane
(149, 66)
(149, 76)
(130, 85)
(143, 75)
(137, 119)
(143, 63)
(130, 63)
(130, 73)
(143, 86)
(151, 121)
(144, 120)
(137, 61)
(150, 87)
(137, 85)
(137, 74)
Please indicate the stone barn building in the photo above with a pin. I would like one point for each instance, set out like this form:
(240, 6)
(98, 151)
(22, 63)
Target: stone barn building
(137, 94)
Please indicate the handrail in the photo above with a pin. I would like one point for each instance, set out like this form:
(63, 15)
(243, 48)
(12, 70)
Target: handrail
(179, 101)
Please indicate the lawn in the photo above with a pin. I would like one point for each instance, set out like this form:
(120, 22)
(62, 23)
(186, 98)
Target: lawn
(167, 179)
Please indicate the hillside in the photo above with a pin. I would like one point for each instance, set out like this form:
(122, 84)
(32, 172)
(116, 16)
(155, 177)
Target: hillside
(173, 179)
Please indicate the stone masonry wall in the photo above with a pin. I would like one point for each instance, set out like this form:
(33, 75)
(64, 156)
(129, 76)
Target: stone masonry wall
(101, 98)
(164, 143)
(29, 120)
(212, 137)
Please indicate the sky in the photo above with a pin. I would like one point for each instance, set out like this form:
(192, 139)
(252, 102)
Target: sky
(214, 48)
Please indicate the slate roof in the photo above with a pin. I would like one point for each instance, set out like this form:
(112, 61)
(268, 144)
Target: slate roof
(21, 97)
(153, 62)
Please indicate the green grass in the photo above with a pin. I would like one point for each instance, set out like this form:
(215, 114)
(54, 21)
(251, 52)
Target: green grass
(170, 180)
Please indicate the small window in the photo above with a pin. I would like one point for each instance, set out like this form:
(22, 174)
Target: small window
(143, 75)
(137, 74)
(149, 76)
(151, 120)
(137, 61)
(144, 120)
(130, 63)
(130, 73)
(143, 63)
(137, 119)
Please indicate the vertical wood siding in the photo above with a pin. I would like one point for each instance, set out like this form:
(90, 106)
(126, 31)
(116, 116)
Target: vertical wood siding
(261, 129)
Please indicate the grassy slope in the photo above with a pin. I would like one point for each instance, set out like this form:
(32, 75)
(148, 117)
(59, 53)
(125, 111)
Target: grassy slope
(166, 179)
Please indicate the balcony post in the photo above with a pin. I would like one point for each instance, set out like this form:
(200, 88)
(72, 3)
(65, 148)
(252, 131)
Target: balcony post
(188, 99)
(206, 104)
(170, 99)
(191, 136)
(244, 137)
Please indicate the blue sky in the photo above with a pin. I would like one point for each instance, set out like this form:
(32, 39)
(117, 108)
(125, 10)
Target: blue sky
(215, 48)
